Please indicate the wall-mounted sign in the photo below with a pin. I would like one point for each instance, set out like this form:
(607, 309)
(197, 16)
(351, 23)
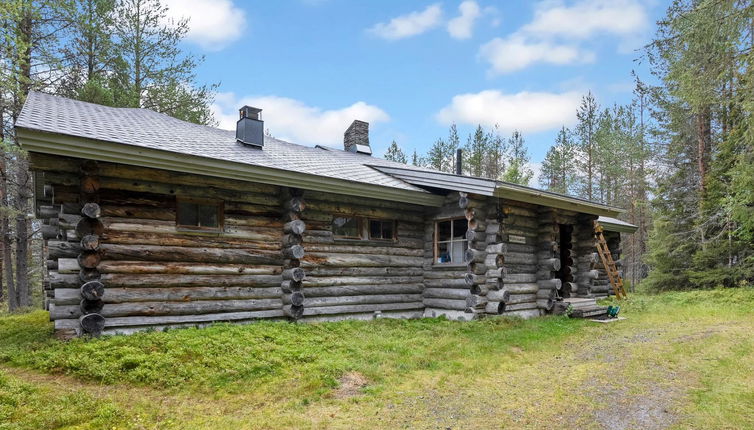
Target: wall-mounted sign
(516, 239)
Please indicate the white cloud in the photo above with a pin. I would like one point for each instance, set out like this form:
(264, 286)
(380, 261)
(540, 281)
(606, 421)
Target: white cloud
(462, 26)
(295, 121)
(410, 24)
(557, 33)
(212, 23)
(516, 52)
(587, 17)
(529, 112)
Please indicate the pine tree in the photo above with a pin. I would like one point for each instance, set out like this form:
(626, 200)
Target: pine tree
(395, 153)
(475, 151)
(585, 130)
(157, 75)
(558, 169)
(518, 171)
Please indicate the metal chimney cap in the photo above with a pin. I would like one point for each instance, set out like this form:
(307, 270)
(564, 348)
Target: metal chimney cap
(250, 112)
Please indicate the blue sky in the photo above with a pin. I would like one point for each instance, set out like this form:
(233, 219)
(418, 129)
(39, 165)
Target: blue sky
(412, 68)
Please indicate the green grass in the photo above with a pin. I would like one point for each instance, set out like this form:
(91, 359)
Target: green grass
(692, 349)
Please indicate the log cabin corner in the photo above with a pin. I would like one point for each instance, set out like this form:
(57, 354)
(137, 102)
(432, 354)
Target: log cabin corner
(152, 222)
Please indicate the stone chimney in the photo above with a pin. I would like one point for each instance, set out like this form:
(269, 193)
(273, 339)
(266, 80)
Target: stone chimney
(356, 138)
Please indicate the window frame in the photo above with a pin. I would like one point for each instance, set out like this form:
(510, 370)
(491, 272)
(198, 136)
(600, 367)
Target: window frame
(217, 203)
(359, 222)
(368, 229)
(436, 242)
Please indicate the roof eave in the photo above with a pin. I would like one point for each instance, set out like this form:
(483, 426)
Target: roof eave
(71, 146)
(553, 200)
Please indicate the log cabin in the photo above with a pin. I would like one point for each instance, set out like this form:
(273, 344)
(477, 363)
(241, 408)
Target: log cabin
(151, 222)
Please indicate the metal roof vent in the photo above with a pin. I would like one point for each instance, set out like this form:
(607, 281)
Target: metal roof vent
(250, 127)
(356, 138)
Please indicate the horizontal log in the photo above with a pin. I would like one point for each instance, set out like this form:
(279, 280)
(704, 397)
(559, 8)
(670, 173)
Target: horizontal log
(365, 210)
(473, 255)
(170, 308)
(312, 302)
(520, 258)
(186, 254)
(89, 242)
(550, 264)
(446, 283)
(522, 288)
(459, 305)
(177, 280)
(70, 296)
(499, 296)
(520, 306)
(521, 298)
(360, 260)
(340, 248)
(494, 283)
(62, 249)
(554, 284)
(143, 267)
(347, 309)
(246, 240)
(316, 281)
(519, 278)
(152, 321)
(369, 271)
(355, 290)
(546, 294)
(497, 248)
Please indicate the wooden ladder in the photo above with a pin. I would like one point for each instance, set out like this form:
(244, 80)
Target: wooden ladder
(607, 261)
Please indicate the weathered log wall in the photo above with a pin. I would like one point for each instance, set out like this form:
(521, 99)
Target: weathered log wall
(361, 278)
(122, 258)
(117, 262)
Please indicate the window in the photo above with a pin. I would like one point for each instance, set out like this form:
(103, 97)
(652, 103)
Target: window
(450, 240)
(346, 227)
(199, 214)
(351, 227)
(380, 229)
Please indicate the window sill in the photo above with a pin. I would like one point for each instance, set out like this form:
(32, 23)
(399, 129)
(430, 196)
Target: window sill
(365, 242)
(448, 265)
(198, 232)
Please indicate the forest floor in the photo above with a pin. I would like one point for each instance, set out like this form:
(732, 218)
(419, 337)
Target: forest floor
(679, 360)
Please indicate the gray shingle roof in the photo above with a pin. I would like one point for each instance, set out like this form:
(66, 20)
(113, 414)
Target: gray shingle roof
(149, 129)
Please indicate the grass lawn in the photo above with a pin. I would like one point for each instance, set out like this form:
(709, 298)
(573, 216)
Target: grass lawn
(680, 360)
